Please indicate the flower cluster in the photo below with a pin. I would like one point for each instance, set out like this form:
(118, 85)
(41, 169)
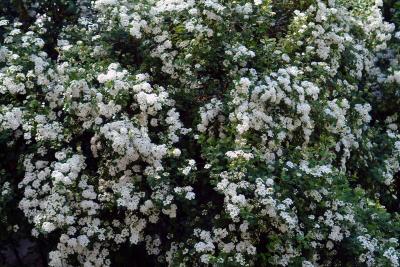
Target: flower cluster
(207, 132)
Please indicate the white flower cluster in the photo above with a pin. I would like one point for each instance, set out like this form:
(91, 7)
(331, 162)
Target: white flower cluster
(206, 132)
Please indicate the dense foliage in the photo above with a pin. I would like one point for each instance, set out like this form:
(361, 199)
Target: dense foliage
(201, 132)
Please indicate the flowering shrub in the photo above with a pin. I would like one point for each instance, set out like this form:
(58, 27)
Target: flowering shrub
(207, 132)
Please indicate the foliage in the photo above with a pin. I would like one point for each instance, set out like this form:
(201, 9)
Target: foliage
(210, 132)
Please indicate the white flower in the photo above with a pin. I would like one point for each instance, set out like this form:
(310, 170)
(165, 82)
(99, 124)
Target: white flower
(83, 240)
(176, 152)
(190, 195)
(48, 227)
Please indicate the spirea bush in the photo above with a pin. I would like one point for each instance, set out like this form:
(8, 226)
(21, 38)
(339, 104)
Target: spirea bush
(202, 132)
